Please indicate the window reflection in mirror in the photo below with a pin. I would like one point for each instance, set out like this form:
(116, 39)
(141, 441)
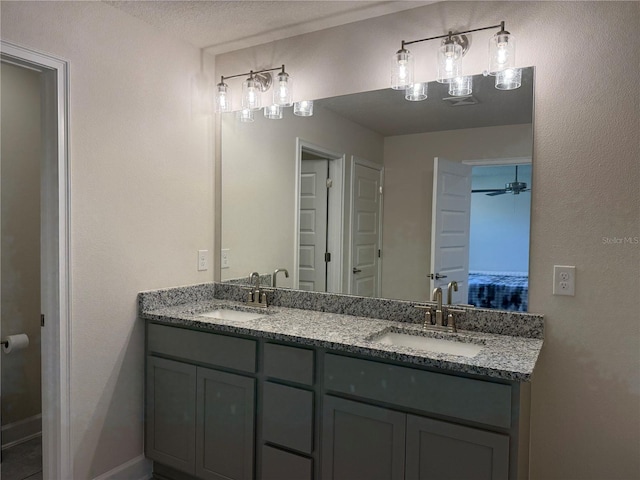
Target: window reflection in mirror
(377, 152)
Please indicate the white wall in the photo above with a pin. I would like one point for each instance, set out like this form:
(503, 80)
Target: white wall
(408, 161)
(586, 388)
(500, 224)
(258, 192)
(141, 173)
(20, 277)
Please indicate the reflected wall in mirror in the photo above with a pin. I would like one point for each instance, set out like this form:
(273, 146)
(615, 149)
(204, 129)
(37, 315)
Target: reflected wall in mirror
(384, 228)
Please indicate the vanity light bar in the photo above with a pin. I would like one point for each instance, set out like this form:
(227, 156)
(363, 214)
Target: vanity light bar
(454, 47)
(258, 82)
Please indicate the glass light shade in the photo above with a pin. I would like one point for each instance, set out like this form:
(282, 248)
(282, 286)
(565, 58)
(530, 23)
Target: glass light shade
(416, 92)
(273, 112)
(502, 52)
(283, 90)
(251, 94)
(402, 70)
(303, 108)
(223, 100)
(461, 86)
(509, 79)
(449, 62)
(245, 115)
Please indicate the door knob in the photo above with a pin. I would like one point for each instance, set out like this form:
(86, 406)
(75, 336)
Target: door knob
(356, 270)
(436, 276)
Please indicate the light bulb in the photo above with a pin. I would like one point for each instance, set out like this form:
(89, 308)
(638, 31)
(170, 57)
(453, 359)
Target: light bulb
(416, 92)
(502, 52)
(283, 92)
(251, 94)
(461, 86)
(509, 79)
(223, 102)
(273, 112)
(303, 108)
(402, 70)
(449, 61)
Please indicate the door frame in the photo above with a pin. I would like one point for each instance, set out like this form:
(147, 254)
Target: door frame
(55, 256)
(376, 166)
(335, 225)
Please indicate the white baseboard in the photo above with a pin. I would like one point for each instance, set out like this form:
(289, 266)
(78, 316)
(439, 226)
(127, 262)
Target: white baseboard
(139, 468)
(21, 431)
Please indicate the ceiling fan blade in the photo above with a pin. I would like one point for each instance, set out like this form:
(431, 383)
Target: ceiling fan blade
(496, 192)
(488, 190)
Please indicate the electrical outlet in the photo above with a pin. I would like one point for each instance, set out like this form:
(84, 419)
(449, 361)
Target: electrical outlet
(225, 258)
(564, 280)
(203, 260)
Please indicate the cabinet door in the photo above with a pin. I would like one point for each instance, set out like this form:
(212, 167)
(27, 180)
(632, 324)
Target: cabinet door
(361, 442)
(225, 426)
(171, 413)
(443, 451)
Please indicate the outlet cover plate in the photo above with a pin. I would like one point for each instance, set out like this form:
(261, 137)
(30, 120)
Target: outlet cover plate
(564, 280)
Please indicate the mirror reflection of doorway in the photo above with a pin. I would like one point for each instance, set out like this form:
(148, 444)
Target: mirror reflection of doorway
(320, 212)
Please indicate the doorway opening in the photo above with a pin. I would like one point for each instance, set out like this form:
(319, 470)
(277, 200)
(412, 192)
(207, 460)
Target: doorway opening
(52, 251)
(319, 218)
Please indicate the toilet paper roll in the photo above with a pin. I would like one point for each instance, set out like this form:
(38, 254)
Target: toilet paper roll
(15, 342)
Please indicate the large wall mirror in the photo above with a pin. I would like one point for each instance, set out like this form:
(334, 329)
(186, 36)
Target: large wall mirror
(375, 195)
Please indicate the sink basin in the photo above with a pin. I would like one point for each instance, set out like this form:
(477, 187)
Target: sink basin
(232, 315)
(429, 344)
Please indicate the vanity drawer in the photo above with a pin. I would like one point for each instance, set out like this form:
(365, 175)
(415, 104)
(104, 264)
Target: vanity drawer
(202, 347)
(288, 363)
(288, 417)
(279, 465)
(428, 392)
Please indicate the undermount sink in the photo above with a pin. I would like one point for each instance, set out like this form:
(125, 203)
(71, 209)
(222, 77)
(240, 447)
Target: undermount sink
(232, 315)
(428, 344)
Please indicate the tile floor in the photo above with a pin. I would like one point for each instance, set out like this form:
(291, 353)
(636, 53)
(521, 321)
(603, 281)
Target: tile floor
(23, 461)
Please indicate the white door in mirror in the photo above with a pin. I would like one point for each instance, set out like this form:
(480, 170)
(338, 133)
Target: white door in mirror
(564, 280)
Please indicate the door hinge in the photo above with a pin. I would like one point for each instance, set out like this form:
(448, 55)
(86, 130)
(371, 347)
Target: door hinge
(381, 189)
(329, 183)
(42, 319)
(379, 253)
(327, 257)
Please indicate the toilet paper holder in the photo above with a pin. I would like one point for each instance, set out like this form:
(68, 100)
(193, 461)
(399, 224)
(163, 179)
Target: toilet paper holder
(5, 343)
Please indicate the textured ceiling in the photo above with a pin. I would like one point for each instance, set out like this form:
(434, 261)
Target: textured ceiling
(223, 26)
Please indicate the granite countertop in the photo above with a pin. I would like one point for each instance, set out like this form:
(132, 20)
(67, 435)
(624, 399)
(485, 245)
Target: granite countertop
(502, 356)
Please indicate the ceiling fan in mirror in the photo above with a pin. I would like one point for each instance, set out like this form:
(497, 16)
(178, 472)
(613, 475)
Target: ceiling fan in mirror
(514, 188)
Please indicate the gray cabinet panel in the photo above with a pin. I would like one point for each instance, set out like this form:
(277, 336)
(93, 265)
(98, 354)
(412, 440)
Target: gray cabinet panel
(464, 398)
(225, 426)
(442, 451)
(279, 465)
(361, 442)
(210, 348)
(288, 417)
(171, 413)
(288, 363)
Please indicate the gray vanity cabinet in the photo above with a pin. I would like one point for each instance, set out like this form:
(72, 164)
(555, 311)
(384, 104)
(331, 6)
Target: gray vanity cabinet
(200, 420)
(361, 442)
(439, 450)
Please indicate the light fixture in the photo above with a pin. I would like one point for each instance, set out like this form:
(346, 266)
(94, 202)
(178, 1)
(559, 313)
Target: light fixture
(223, 101)
(402, 69)
(502, 51)
(416, 92)
(303, 108)
(461, 86)
(449, 60)
(251, 93)
(273, 112)
(283, 91)
(245, 115)
(509, 79)
(449, 65)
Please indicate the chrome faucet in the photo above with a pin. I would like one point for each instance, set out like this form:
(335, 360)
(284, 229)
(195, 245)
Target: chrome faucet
(257, 297)
(437, 297)
(275, 274)
(452, 287)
